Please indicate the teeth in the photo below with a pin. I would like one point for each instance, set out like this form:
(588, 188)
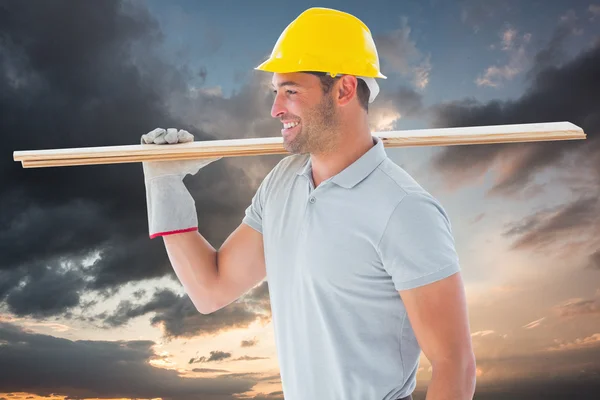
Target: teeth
(290, 125)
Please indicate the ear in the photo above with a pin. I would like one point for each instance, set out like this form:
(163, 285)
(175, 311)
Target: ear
(346, 89)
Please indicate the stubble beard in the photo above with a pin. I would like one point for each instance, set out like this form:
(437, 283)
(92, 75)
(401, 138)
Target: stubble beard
(318, 131)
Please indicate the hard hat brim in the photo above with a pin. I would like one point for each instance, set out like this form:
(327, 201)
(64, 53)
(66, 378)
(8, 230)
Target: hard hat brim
(284, 67)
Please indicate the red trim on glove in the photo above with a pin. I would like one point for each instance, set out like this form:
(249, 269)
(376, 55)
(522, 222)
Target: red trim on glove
(173, 232)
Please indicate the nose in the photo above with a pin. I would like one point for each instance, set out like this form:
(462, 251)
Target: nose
(278, 108)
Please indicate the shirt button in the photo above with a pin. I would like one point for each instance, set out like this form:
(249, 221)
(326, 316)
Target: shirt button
(312, 199)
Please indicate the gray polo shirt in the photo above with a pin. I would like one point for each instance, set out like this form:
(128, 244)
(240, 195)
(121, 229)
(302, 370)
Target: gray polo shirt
(336, 257)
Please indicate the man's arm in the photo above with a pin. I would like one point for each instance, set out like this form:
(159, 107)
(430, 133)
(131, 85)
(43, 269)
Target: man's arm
(211, 278)
(215, 278)
(438, 315)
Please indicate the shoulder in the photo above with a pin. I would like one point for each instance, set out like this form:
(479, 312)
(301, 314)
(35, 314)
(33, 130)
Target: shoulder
(408, 194)
(397, 182)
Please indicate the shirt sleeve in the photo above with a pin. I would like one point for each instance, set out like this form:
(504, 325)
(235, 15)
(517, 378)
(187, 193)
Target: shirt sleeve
(417, 246)
(255, 211)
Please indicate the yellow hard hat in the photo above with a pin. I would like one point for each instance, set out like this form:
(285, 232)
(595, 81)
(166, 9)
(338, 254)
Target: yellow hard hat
(325, 40)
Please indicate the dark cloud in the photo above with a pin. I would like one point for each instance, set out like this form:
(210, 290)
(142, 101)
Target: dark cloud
(595, 259)
(551, 389)
(258, 298)
(557, 93)
(183, 320)
(249, 343)
(217, 355)
(45, 290)
(138, 294)
(408, 101)
(179, 317)
(76, 86)
(203, 370)
(403, 100)
(397, 50)
(126, 310)
(45, 365)
(399, 55)
(553, 54)
(84, 74)
(545, 374)
(214, 356)
(577, 307)
(563, 92)
(278, 395)
(250, 358)
(542, 228)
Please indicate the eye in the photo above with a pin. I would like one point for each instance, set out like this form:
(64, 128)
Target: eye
(274, 91)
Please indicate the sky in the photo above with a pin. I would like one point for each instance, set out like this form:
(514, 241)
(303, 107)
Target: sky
(89, 305)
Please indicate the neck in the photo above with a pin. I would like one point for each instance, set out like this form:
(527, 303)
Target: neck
(352, 144)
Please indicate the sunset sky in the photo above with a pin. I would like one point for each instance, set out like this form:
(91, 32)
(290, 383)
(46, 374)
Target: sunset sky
(89, 306)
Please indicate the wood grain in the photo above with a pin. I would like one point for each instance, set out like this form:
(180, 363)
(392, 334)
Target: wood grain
(516, 133)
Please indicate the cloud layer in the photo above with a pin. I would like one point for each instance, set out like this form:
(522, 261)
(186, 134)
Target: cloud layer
(90, 74)
(46, 365)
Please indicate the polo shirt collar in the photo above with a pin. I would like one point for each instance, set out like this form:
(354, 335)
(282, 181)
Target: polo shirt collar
(355, 172)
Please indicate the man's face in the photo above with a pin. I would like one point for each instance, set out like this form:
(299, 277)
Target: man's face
(300, 100)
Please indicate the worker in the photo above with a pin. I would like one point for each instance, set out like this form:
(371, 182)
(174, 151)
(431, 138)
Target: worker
(360, 259)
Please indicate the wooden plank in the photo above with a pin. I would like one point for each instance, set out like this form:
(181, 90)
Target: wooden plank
(552, 131)
(134, 158)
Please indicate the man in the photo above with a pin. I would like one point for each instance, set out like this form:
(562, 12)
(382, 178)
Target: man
(359, 258)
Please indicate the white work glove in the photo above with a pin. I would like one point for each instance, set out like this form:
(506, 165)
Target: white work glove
(171, 207)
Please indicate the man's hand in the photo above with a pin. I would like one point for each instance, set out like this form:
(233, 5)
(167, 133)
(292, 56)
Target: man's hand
(171, 136)
(171, 208)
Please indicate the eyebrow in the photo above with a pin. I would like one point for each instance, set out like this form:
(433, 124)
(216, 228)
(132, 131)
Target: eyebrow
(286, 83)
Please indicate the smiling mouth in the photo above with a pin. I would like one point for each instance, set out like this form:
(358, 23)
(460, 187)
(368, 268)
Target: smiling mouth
(288, 128)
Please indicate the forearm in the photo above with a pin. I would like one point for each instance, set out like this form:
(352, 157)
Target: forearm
(171, 208)
(194, 261)
(452, 381)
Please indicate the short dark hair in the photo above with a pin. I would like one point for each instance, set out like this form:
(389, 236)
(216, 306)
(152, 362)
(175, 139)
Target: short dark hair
(362, 90)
